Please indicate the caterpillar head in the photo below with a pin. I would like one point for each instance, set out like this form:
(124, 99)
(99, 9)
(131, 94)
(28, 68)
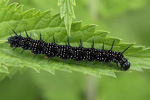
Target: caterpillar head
(125, 65)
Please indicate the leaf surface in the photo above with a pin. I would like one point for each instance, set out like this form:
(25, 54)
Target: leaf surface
(67, 12)
(12, 17)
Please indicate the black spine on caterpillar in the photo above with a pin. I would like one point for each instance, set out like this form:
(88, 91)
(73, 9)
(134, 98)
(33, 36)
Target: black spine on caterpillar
(15, 40)
(67, 51)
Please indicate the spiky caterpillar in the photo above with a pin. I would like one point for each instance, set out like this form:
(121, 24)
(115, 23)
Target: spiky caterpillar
(67, 51)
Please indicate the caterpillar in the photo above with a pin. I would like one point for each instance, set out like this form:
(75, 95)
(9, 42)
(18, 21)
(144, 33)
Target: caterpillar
(67, 51)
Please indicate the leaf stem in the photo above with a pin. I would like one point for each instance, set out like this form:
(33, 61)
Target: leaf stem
(91, 88)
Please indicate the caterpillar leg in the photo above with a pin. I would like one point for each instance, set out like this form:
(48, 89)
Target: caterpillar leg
(101, 64)
(22, 51)
(64, 61)
(34, 56)
(49, 59)
(90, 63)
(14, 48)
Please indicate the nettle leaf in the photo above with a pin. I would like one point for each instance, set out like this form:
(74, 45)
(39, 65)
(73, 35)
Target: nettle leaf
(67, 12)
(12, 17)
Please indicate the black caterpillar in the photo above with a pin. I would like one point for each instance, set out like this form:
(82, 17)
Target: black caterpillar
(67, 51)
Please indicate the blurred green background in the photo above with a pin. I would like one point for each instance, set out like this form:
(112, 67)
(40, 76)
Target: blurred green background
(126, 19)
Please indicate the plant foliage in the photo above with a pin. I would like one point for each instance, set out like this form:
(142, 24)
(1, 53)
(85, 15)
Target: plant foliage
(67, 12)
(13, 17)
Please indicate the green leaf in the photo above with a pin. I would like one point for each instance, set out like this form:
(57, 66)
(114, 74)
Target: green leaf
(12, 17)
(3, 69)
(67, 12)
